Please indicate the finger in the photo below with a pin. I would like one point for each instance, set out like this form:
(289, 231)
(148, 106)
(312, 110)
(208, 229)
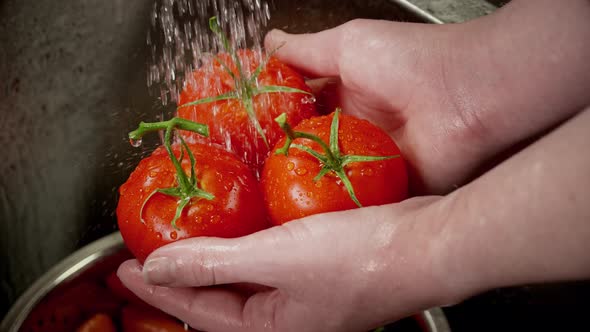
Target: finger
(205, 309)
(280, 257)
(315, 54)
(381, 64)
(219, 309)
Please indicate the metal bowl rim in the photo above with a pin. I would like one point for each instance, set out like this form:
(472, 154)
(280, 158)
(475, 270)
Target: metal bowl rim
(81, 260)
(66, 270)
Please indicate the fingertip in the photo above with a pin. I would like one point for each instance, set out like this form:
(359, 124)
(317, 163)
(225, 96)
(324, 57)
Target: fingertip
(128, 267)
(275, 38)
(129, 272)
(158, 270)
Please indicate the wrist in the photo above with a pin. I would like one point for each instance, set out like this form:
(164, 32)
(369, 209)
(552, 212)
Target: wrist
(417, 258)
(454, 260)
(508, 73)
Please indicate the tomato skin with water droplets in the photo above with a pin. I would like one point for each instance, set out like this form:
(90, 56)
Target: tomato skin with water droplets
(228, 121)
(288, 185)
(236, 210)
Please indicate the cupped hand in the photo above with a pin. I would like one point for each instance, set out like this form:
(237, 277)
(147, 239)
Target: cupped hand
(454, 97)
(317, 274)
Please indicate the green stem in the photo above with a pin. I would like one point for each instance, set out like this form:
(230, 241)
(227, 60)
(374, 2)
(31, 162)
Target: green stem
(187, 186)
(292, 135)
(214, 26)
(245, 88)
(177, 123)
(180, 174)
(332, 160)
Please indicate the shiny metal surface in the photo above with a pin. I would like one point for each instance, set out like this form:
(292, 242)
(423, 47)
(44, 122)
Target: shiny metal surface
(420, 11)
(65, 271)
(453, 11)
(111, 250)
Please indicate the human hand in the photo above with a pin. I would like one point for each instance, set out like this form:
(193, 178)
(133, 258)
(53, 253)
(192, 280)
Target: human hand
(345, 271)
(358, 269)
(454, 96)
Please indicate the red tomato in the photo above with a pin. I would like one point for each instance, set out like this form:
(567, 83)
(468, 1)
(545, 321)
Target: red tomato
(228, 120)
(98, 323)
(288, 185)
(146, 319)
(120, 291)
(236, 210)
(66, 308)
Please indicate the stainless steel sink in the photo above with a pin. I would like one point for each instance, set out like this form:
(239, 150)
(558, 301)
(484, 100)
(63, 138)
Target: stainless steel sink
(73, 84)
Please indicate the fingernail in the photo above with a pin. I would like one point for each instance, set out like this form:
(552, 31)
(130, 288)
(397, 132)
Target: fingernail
(159, 271)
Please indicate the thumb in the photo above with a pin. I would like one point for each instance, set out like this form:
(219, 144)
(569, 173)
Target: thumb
(323, 271)
(273, 257)
(381, 64)
(315, 54)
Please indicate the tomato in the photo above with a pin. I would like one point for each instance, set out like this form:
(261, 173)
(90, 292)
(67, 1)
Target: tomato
(66, 309)
(98, 323)
(288, 184)
(120, 291)
(145, 223)
(146, 319)
(228, 120)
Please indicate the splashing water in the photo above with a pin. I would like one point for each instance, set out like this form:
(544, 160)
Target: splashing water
(135, 142)
(179, 37)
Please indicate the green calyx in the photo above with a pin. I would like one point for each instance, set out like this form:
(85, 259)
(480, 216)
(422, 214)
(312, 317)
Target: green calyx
(332, 160)
(245, 87)
(188, 185)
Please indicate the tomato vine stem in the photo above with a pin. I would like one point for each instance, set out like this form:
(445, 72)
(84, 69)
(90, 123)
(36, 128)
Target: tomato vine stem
(188, 186)
(245, 88)
(332, 160)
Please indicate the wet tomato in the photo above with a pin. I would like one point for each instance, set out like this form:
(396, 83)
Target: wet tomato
(98, 323)
(292, 191)
(146, 319)
(144, 217)
(120, 291)
(229, 122)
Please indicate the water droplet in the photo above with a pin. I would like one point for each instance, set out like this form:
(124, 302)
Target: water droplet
(308, 100)
(290, 166)
(158, 236)
(318, 184)
(367, 171)
(198, 219)
(309, 194)
(135, 142)
(173, 235)
(209, 207)
(153, 174)
(215, 219)
(301, 171)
